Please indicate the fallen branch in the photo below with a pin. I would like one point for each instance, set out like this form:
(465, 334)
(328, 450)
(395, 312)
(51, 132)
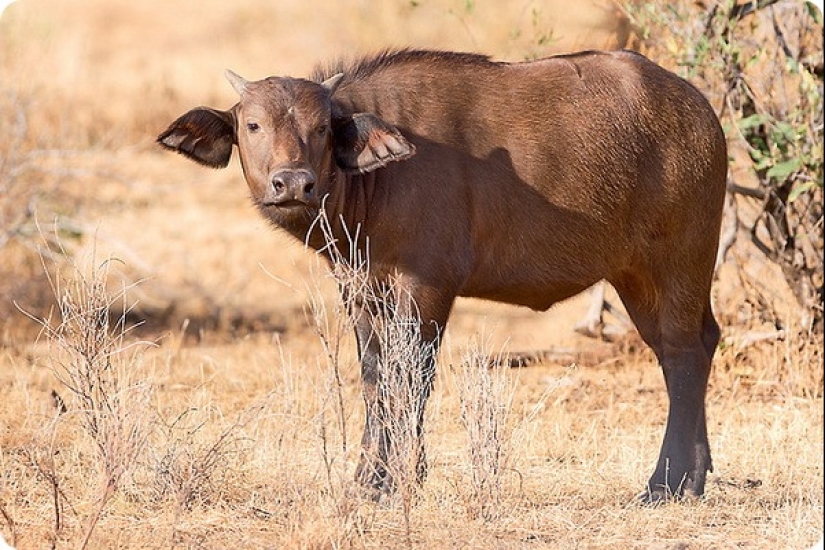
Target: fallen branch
(751, 338)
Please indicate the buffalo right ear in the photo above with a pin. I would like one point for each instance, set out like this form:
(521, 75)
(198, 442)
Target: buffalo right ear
(363, 143)
(204, 135)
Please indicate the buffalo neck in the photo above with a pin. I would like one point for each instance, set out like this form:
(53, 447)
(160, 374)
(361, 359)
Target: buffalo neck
(346, 203)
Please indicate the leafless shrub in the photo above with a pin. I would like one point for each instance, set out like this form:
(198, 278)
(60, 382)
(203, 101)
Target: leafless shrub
(33, 206)
(193, 466)
(404, 370)
(16, 159)
(486, 397)
(332, 327)
(108, 392)
(405, 375)
(40, 457)
(29, 180)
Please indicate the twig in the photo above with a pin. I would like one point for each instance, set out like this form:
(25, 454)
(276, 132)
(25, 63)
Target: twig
(730, 227)
(111, 485)
(751, 338)
(739, 11)
(753, 192)
(10, 523)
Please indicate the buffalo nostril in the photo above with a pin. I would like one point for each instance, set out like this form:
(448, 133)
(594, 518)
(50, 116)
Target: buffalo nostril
(292, 185)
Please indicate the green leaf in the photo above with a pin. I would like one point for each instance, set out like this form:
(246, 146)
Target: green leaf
(799, 190)
(753, 121)
(783, 131)
(814, 12)
(784, 169)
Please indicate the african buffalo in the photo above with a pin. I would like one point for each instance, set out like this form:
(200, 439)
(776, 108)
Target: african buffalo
(523, 183)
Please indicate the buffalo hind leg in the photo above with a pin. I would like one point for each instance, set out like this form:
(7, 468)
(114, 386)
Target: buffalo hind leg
(684, 459)
(684, 338)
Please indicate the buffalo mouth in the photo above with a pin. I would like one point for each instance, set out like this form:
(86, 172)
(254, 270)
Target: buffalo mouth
(290, 204)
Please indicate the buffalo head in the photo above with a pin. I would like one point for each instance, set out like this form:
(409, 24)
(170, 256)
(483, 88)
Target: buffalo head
(292, 138)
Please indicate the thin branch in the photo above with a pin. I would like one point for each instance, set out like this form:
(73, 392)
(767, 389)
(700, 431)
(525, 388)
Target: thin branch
(740, 11)
(10, 523)
(753, 192)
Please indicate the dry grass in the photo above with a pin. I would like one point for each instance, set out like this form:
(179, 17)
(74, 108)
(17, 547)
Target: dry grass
(108, 393)
(486, 399)
(284, 479)
(256, 410)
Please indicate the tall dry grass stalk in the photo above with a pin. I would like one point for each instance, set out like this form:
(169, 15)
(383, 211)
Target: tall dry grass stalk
(404, 380)
(110, 394)
(193, 465)
(350, 274)
(331, 327)
(334, 324)
(486, 399)
(405, 365)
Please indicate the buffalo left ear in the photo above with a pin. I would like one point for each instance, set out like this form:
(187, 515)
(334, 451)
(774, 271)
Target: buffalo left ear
(364, 142)
(204, 135)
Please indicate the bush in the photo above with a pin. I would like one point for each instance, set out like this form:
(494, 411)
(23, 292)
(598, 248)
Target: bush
(761, 65)
(33, 212)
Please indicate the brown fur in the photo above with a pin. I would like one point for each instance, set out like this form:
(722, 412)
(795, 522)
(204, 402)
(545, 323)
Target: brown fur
(519, 182)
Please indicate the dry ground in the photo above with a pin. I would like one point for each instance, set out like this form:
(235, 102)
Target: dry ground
(250, 447)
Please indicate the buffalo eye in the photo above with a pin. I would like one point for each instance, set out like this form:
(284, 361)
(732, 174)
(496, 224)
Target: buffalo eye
(322, 129)
(253, 127)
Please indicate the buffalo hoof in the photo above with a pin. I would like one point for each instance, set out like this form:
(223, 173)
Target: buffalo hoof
(664, 495)
(375, 483)
(378, 485)
(655, 498)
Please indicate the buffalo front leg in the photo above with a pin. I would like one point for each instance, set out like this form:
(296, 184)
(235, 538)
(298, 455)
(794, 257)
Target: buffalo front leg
(397, 352)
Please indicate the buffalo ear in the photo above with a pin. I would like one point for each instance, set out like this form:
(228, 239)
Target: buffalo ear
(204, 135)
(363, 143)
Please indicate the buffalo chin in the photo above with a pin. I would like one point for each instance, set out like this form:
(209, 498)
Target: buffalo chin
(294, 216)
